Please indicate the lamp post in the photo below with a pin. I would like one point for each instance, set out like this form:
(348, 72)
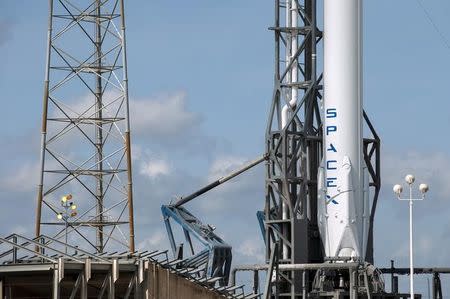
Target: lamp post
(398, 189)
(68, 212)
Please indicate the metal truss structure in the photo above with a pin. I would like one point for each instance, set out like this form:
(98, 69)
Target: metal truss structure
(433, 273)
(371, 154)
(59, 270)
(85, 143)
(294, 146)
(213, 261)
(363, 279)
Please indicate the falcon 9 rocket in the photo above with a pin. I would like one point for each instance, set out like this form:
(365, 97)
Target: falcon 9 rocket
(343, 183)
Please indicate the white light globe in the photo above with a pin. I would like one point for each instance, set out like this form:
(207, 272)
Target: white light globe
(398, 189)
(410, 179)
(423, 188)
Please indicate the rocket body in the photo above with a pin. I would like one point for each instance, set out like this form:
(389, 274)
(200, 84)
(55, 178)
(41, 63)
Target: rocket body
(343, 179)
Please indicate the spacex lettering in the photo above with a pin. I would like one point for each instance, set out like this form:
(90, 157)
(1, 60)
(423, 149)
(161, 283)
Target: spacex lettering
(331, 162)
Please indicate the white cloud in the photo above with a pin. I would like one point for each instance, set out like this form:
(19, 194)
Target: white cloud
(155, 168)
(166, 114)
(225, 165)
(136, 152)
(226, 197)
(252, 249)
(158, 240)
(151, 164)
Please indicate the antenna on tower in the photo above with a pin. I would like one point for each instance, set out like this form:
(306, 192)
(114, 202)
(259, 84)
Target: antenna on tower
(85, 141)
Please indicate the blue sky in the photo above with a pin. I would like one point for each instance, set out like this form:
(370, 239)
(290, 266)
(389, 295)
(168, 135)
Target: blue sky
(216, 57)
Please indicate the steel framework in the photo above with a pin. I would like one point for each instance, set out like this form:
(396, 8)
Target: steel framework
(294, 146)
(85, 141)
(212, 259)
(59, 270)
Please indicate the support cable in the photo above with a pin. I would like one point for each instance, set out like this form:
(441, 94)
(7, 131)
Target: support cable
(433, 23)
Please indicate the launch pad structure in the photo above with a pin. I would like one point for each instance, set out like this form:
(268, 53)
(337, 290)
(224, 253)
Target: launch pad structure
(60, 270)
(86, 151)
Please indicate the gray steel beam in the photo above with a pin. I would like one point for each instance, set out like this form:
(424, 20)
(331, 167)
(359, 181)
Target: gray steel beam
(44, 123)
(140, 285)
(61, 268)
(55, 285)
(34, 251)
(255, 282)
(111, 286)
(299, 267)
(128, 129)
(406, 271)
(26, 268)
(131, 286)
(103, 287)
(76, 286)
(271, 268)
(84, 286)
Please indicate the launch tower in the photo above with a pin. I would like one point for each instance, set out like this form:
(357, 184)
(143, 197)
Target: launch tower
(295, 147)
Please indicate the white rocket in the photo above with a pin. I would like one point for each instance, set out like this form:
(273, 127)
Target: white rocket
(343, 178)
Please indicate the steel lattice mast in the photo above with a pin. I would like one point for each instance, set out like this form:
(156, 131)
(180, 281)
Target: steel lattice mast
(293, 141)
(85, 145)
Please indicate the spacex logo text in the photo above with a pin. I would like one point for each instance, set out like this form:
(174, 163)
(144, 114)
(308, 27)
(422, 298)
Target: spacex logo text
(331, 162)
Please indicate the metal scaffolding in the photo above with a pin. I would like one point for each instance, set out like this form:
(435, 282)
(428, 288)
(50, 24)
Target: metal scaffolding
(58, 270)
(293, 142)
(85, 142)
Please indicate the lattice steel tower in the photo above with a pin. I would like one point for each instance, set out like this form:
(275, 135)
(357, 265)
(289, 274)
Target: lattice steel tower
(85, 146)
(293, 141)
